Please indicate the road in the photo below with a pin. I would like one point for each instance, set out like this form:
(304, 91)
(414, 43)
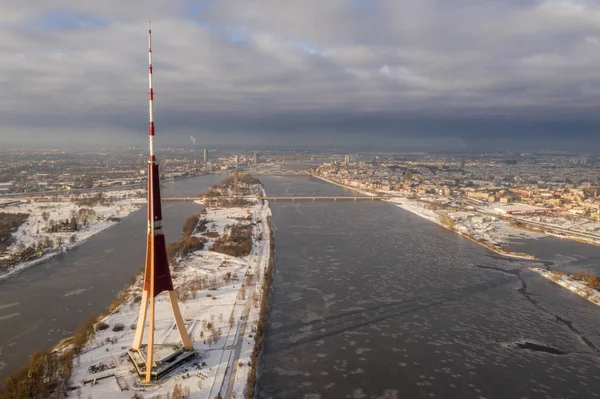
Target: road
(237, 346)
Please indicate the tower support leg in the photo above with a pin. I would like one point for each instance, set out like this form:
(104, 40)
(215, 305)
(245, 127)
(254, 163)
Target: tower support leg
(150, 357)
(141, 323)
(185, 337)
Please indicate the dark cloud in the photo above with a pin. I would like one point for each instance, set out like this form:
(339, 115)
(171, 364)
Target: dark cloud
(332, 72)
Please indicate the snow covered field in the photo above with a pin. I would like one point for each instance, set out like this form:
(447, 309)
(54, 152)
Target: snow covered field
(220, 316)
(44, 213)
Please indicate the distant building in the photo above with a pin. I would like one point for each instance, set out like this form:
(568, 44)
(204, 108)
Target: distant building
(408, 174)
(256, 158)
(578, 161)
(205, 155)
(347, 159)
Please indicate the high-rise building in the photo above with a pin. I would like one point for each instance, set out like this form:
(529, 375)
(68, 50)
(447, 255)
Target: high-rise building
(205, 155)
(347, 159)
(256, 158)
(462, 165)
(578, 161)
(237, 161)
(408, 174)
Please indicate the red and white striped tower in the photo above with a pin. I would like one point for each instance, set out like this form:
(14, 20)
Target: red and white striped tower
(157, 275)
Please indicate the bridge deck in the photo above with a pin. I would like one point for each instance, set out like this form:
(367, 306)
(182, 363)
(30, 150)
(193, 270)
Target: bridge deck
(287, 198)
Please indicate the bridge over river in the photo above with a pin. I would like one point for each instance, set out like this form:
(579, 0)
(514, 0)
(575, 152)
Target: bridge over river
(292, 198)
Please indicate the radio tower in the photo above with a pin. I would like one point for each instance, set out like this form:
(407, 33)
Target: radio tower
(157, 276)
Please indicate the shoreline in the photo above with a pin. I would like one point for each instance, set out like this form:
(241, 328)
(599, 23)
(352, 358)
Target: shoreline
(252, 381)
(431, 219)
(134, 186)
(574, 286)
(85, 236)
(335, 183)
(23, 266)
(434, 220)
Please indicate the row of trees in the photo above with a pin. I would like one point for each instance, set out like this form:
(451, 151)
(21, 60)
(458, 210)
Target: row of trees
(213, 335)
(262, 320)
(47, 373)
(190, 288)
(94, 199)
(188, 243)
(82, 216)
(45, 243)
(447, 221)
(227, 187)
(589, 279)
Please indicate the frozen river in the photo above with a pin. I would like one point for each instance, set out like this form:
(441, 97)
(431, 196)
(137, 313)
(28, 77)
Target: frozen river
(370, 301)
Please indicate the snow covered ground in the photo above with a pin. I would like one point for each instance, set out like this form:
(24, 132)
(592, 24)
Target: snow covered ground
(221, 310)
(43, 213)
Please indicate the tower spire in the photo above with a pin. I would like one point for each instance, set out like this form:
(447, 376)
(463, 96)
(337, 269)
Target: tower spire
(157, 275)
(150, 94)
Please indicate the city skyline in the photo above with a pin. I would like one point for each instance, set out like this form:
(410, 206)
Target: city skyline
(305, 73)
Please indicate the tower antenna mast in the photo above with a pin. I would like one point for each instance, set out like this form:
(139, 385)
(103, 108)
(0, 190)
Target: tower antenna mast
(157, 275)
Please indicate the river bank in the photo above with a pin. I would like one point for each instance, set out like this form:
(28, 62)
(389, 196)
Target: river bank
(453, 223)
(416, 207)
(221, 298)
(568, 282)
(57, 225)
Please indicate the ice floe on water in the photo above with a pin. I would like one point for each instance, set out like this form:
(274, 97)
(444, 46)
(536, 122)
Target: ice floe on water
(77, 292)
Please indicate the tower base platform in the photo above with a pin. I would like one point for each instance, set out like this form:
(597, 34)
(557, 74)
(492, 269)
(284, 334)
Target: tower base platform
(168, 358)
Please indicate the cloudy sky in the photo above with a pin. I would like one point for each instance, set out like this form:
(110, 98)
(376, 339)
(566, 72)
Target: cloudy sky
(388, 73)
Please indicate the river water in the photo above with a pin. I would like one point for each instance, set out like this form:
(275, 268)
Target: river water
(371, 301)
(45, 303)
(368, 301)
